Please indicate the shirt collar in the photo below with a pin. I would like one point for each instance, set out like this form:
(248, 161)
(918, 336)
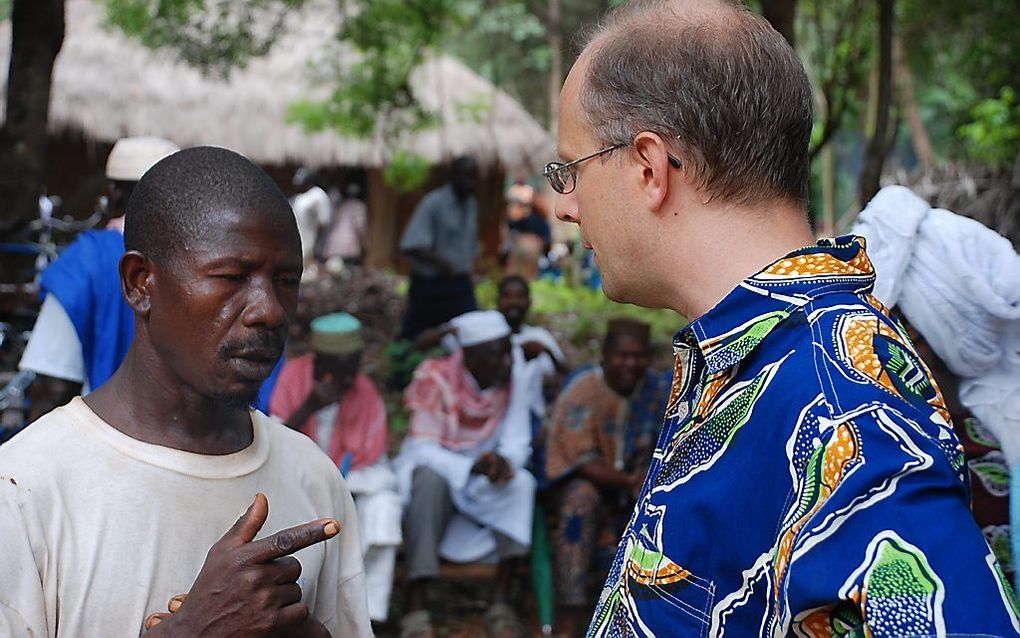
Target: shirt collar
(731, 330)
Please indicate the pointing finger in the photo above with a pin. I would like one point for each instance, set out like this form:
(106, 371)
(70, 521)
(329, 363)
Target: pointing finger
(246, 527)
(291, 540)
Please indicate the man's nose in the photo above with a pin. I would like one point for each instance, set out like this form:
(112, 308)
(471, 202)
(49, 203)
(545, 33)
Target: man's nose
(264, 305)
(566, 208)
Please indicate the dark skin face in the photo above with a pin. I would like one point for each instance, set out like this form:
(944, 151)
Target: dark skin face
(211, 322)
(337, 372)
(514, 302)
(222, 308)
(624, 362)
(465, 182)
(490, 362)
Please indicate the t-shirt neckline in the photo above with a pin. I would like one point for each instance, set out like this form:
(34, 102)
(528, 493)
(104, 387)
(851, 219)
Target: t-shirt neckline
(209, 466)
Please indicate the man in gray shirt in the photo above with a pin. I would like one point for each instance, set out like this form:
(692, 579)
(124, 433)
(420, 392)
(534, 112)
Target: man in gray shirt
(441, 242)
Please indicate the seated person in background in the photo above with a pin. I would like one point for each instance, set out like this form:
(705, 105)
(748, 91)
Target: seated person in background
(534, 347)
(324, 395)
(461, 468)
(113, 504)
(599, 444)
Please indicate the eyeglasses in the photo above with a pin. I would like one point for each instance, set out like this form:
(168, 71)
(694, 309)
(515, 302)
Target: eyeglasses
(563, 177)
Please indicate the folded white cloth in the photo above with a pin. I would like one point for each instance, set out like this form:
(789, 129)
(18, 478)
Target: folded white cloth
(958, 283)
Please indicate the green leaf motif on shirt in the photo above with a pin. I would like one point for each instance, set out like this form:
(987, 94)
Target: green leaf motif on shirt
(904, 369)
(999, 540)
(993, 473)
(1011, 598)
(901, 590)
(751, 337)
(979, 433)
(812, 486)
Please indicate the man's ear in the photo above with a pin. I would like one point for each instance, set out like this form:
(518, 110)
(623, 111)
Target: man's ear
(136, 281)
(652, 156)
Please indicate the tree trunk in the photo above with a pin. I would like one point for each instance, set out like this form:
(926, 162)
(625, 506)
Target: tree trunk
(37, 32)
(879, 144)
(919, 137)
(554, 24)
(781, 14)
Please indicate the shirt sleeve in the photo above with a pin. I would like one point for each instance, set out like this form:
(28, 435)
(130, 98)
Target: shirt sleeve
(54, 349)
(419, 232)
(22, 597)
(342, 601)
(854, 560)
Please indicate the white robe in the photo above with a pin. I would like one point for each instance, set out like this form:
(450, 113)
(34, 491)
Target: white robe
(481, 506)
(379, 514)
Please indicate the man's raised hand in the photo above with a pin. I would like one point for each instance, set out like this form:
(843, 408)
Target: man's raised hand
(247, 587)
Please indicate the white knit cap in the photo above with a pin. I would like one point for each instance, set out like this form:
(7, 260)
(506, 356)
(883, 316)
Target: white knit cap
(480, 326)
(130, 157)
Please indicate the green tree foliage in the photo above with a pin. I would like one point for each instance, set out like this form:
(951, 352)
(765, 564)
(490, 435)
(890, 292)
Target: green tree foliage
(214, 35)
(965, 54)
(993, 134)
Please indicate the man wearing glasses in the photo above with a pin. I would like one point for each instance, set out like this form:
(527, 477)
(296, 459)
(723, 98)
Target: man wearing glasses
(806, 480)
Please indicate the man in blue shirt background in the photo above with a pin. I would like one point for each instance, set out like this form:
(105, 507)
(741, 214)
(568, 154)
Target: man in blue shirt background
(807, 480)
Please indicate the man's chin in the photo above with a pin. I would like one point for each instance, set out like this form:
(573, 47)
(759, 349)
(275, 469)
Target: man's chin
(236, 400)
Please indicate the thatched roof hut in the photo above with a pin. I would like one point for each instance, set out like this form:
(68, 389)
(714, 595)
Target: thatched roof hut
(108, 86)
(989, 196)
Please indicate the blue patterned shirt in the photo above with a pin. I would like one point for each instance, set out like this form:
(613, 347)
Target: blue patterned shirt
(807, 481)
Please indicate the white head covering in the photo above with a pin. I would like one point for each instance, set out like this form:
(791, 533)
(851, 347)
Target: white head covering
(130, 157)
(480, 326)
(958, 283)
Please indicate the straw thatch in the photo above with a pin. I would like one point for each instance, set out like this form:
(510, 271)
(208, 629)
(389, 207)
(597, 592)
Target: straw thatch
(990, 196)
(107, 86)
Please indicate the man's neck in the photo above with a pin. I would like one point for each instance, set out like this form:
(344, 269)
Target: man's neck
(721, 249)
(146, 402)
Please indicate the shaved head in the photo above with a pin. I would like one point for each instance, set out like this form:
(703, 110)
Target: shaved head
(181, 196)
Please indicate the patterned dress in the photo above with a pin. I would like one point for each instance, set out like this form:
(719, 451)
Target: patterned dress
(590, 421)
(807, 480)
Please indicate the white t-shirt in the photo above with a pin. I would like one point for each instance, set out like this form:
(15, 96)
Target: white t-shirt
(54, 348)
(98, 530)
(311, 210)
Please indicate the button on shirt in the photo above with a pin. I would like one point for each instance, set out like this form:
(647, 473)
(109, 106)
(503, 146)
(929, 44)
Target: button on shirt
(807, 481)
(447, 225)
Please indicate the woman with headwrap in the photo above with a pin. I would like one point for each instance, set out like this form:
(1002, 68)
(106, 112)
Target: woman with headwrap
(956, 284)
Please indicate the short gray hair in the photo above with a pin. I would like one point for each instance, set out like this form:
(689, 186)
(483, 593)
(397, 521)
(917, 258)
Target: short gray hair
(718, 81)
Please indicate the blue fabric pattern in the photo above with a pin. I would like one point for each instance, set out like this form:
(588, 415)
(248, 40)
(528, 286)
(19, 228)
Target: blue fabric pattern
(807, 481)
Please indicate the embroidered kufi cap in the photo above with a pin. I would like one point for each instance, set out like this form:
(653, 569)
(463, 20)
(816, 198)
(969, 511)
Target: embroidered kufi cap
(130, 157)
(480, 326)
(338, 333)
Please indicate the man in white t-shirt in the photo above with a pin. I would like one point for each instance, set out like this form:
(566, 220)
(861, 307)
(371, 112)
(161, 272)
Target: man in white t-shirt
(312, 210)
(115, 505)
